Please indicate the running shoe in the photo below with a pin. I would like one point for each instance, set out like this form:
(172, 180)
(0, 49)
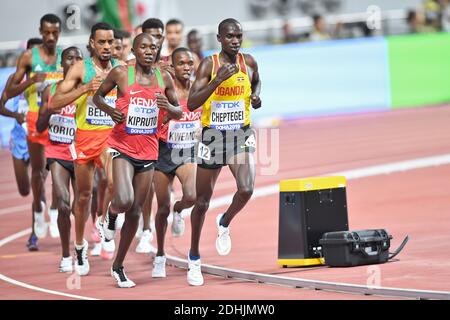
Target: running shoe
(140, 227)
(66, 265)
(96, 235)
(32, 244)
(121, 278)
(178, 225)
(40, 225)
(223, 241)
(120, 221)
(159, 267)
(81, 261)
(108, 248)
(109, 226)
(144, 245)
(95, 252)
(53, 226)
(194, 274)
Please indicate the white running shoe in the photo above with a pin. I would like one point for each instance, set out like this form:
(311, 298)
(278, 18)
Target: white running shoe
(169, 218)
(121, 278)
(120, 221)
(140, 227)
(40, 225)
(194, 274)
(109, 226)
(144, 245)
(108, 248)
(53, 227)
(178, 225)
(97, 230)
(95, 252)
(66, 265)
(159, 267)
(81, 260)
(223, 241)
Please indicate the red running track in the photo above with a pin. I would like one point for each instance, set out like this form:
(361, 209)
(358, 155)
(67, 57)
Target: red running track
(414, 202)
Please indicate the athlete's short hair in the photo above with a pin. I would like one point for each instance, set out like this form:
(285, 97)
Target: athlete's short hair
(226, 22)
(192, 33)
(174, 21)
(179, 50)
(33, 41)
(118, 34)
(66, 50)
(152, 23)
(140, 36)
(99, 26)
(316, 18)
(50, 18)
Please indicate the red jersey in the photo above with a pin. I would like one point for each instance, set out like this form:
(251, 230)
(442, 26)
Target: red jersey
(61, 131)
(181, 133)
(137, 135)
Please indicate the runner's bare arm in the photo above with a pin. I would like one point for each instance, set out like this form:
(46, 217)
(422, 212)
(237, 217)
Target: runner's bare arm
(202, 88)
(69, 90)
(21, 87)
(255, 81)
(17, 86)
(44, 111)
(20, 118)
(115, 78)
(169, 102)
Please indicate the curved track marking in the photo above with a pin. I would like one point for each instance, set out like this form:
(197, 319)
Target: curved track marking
(273, 189)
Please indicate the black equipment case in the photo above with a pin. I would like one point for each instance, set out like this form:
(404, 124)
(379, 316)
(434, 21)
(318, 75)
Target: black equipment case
(309, 207)
(353, 248)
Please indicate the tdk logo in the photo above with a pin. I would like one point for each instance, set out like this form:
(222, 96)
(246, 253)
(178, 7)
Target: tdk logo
(228, 105)
(143, 110)
(186, 125)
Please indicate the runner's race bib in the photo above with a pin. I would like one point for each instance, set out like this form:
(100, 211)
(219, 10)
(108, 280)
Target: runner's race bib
(97, 117)
(182, 134)
(142, 116)
(50, 78)
(227, 115)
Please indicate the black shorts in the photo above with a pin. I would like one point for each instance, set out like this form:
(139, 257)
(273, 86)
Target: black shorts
(139, 165)
(68, 165)
(169, 160)
(217, 147)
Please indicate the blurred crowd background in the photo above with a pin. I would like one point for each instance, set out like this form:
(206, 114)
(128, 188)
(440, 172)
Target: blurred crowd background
(316, 57)
(266, 22)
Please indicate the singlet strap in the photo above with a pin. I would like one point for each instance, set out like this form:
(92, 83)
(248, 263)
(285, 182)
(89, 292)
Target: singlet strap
(241, 61)
(216, 63)
(34, 57)
(114, 62)
(52, 89)
(131, 74)
(159, 77)
(51, 93)
(89, 71)
(58, 58)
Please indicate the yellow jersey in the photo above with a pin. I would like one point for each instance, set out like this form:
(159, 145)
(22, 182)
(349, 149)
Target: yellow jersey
(228, 108)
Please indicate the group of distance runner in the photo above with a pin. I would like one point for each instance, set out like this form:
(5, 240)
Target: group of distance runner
(119, 131)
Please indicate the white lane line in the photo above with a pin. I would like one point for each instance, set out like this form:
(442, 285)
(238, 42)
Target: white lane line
(273, 189)
(15, 209)
(15, 236)
(27, 286)
(312, 284)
